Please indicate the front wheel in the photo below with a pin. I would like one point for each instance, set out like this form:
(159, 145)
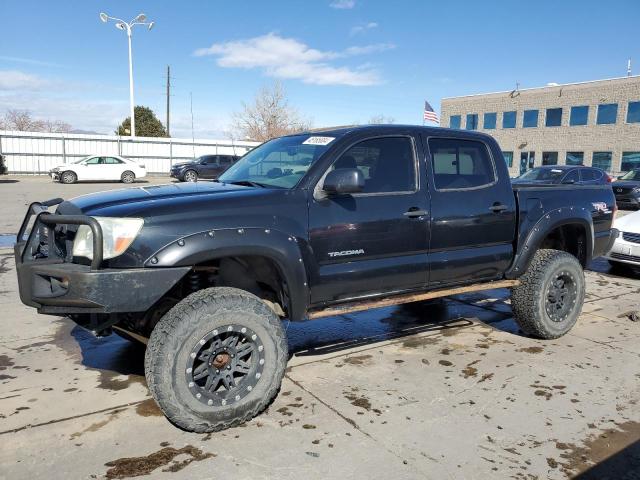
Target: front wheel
(68, 177)
(549, 298)
(190, 176)
(216, 359)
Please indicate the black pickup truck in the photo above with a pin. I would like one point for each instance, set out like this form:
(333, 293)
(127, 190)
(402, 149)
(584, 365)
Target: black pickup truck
(305, 226)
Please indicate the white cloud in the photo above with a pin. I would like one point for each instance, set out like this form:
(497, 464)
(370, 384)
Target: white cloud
(358, 29)
(17, 80)
(289, 58)
(343, 4)
(29, 61)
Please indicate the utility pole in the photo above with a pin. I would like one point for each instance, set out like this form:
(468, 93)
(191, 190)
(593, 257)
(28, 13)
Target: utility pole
(193, 140)
(168, 96)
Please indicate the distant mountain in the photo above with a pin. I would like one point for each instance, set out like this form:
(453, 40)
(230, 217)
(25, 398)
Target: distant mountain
(86, 132)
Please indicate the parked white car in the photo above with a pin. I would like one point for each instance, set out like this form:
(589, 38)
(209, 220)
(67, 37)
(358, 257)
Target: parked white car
(99, 167)
(626, 248)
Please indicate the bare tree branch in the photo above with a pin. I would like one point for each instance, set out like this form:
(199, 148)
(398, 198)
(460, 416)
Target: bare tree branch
(380, 119)
(268, 116)
(23, 121)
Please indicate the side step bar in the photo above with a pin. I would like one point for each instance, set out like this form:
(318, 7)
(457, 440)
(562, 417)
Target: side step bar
(408, 298)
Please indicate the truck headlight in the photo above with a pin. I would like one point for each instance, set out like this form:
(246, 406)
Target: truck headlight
(117, 235)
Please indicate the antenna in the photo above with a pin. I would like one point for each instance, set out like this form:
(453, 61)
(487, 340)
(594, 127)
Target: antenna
(629, 68)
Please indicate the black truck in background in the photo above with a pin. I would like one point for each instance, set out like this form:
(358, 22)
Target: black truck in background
(305, 226)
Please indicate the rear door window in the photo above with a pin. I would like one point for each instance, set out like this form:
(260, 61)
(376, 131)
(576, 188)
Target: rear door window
(460, 164)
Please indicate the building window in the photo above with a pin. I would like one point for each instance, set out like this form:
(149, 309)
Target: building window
(575, 158)
(509, 120)
(472, 121)
(454, 121)
(490, 121)
(602, 160)
(530, 119)
(579, 115)
(508, 158)
(607, 113)
(549, 158)
(630, 161)
(633, 113)
(554, 117)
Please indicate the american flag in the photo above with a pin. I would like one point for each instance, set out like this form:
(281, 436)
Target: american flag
(429, 114)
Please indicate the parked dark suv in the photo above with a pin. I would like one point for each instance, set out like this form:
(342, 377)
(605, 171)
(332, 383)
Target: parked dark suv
(567, 174)
(627, 189)
(206, 166)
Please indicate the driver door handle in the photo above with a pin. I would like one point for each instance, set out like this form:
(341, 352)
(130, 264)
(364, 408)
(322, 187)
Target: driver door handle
(415, 212)
(497, 207)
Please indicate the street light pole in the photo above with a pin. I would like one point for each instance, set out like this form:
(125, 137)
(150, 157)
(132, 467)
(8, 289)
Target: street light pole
(131, 101)
(122, 25)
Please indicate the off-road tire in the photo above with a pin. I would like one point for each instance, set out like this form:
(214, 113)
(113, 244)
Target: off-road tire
(173, 340)
(68, 177)
(190, 176)
(529, 299)
(128, 177)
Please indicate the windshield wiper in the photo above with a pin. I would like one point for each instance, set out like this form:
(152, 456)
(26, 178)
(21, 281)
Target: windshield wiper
(249, 183)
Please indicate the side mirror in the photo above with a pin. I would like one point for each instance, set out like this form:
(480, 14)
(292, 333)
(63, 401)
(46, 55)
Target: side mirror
(343, 181)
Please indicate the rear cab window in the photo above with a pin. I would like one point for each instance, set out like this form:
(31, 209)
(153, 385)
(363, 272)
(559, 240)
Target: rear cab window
(460, 164)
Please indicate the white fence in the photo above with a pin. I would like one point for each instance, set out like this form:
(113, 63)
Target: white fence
(36, 152)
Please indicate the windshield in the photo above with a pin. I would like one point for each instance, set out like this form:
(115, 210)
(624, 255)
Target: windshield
(279, 163)
(632, 175)
(543, 174)
(82, 159)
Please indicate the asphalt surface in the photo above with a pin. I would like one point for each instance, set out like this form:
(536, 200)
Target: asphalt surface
(445, 389)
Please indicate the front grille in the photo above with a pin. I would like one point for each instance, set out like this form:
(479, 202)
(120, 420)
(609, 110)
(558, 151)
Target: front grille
(622, 256)
(631, 237)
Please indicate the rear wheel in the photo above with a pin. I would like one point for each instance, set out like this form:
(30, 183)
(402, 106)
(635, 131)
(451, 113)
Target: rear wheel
(216, 359)
(68, 177)
(549, 298)
(128, 177)
(190, 176)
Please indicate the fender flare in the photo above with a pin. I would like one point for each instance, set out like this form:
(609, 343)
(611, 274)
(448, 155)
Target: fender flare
(283, 249)
(542, 227)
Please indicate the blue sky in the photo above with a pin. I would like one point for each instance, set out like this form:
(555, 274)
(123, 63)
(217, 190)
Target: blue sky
(340, 61)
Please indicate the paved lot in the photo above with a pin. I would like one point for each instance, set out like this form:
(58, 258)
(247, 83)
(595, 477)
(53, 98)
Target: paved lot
(438, 390)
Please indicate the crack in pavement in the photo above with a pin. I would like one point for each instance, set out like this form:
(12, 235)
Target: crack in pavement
(353, 424)
(60, 420)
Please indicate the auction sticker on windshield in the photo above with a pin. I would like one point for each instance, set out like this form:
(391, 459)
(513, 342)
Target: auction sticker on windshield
(318, 140)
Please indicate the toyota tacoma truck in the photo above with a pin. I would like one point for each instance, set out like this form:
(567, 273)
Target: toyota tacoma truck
(305, 226)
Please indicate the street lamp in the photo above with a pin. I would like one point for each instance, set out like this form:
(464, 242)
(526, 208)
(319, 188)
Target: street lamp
(141, 19)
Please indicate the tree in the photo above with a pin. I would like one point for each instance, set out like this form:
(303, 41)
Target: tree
(23, 121)
(380, 119)
(268, 116)
(55, 126)
(147, 124)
